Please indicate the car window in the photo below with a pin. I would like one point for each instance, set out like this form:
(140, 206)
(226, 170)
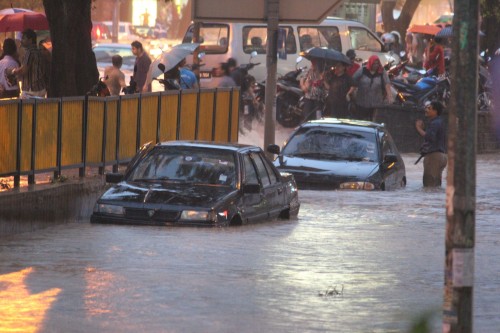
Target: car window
(250, 172)
(333, 144)
(255, 39)
(214, 38)
(104, 53)
(270, 169)
(314, 36)
(363, 40)
(261, 170)
(388, 145)
(191, 165)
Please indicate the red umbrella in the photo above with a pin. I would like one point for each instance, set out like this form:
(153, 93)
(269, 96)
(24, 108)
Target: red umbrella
(23, 20)
(427, 29)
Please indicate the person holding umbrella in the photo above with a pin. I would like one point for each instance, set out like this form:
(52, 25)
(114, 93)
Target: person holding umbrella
(338, 85)
(9, 87)
(434, 57)
(313, 87)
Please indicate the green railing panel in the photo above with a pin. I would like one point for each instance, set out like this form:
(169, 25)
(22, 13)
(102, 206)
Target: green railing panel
(8, 137)
(189, 104)
(128, 128)
(47, 115)
(168, 116)
(95, 130)
(149, 118)
(111, 128)
(234, 116)
(206, 115)
(223, 99)
(72, 132)
(27, 110)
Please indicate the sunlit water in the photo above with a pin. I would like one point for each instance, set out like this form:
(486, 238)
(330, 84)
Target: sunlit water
(378, 255)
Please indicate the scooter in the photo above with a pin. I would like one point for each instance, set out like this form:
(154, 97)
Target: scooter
(428, 88)
(252, 95)
(289, 97)
(100, 89)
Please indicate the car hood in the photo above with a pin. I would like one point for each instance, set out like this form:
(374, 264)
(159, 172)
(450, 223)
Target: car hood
(360, 170)
(166, 193)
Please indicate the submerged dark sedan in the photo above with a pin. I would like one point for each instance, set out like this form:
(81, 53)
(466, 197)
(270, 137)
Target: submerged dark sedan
(342, 154)
(198, 183)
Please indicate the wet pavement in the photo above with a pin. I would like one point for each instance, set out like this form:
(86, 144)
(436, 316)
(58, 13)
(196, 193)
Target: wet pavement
(352, 262)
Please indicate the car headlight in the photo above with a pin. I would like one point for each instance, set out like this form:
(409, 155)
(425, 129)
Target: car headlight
(198, 215)
(367, 186)
(109, 209)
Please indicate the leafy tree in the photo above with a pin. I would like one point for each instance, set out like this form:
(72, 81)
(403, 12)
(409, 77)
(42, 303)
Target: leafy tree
(402, 23)
(74, 68)
(490, 12)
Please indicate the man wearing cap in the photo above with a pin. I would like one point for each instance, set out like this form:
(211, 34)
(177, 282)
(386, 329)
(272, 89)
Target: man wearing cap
(434, 147)
(351, 54)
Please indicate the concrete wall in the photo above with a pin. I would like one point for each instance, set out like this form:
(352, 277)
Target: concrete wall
(401, 124)
(42, 205)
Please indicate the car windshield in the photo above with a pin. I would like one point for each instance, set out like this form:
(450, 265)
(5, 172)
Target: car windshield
(329, 143)
(187, 165)
(103, 54)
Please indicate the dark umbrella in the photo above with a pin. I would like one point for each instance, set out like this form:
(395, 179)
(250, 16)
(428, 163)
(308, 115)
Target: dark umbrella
(330, 55)
(446, 32)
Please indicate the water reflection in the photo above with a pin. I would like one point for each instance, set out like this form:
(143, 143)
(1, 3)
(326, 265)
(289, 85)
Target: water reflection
(20, 309)
(386, 249)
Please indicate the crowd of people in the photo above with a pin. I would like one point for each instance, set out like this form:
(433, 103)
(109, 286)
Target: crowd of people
(31, 69)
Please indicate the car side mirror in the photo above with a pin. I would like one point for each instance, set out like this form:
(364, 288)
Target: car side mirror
(251, 188)
(390, 158)
(161, 67)
(114, 178)
(273, 149)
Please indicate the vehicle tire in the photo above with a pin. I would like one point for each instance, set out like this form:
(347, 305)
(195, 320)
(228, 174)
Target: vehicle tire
(288, 112)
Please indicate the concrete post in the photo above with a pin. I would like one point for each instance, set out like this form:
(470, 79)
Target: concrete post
(461, 182)
(272, 68)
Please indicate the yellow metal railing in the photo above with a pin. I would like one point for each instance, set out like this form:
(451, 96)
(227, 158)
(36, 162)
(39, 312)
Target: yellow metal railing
(41, 135)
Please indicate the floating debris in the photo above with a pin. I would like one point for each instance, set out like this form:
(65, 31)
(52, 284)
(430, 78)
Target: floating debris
(331, 291)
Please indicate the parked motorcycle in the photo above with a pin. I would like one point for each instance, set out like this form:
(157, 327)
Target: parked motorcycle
(289, 97)
(252, 95)
(100, 89)
(428, 88)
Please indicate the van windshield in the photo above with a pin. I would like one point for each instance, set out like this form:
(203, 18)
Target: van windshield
(255, 39)
(213, 37)
(364, 40)
(314, 36)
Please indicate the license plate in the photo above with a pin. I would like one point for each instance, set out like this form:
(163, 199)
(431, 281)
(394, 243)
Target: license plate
(205, 75)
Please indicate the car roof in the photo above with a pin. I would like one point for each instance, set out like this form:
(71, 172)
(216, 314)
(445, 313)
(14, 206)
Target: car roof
(359, 125)
(235, 147)
(114, 45)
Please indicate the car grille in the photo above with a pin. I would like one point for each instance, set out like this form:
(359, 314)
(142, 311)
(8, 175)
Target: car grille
(151, 214)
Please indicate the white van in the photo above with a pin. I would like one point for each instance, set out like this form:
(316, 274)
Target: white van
(221, 41)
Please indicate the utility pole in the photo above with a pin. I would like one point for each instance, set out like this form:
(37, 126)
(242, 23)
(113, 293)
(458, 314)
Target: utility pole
(272, 67)
(116, 21)
(461, 181)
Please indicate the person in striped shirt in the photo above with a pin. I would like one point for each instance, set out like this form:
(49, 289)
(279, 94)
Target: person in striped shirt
(31, 71)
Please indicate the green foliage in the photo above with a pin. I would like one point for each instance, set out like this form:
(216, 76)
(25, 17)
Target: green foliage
(490, 9)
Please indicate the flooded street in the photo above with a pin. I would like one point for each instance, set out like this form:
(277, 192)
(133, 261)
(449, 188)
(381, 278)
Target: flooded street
(352, 262)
